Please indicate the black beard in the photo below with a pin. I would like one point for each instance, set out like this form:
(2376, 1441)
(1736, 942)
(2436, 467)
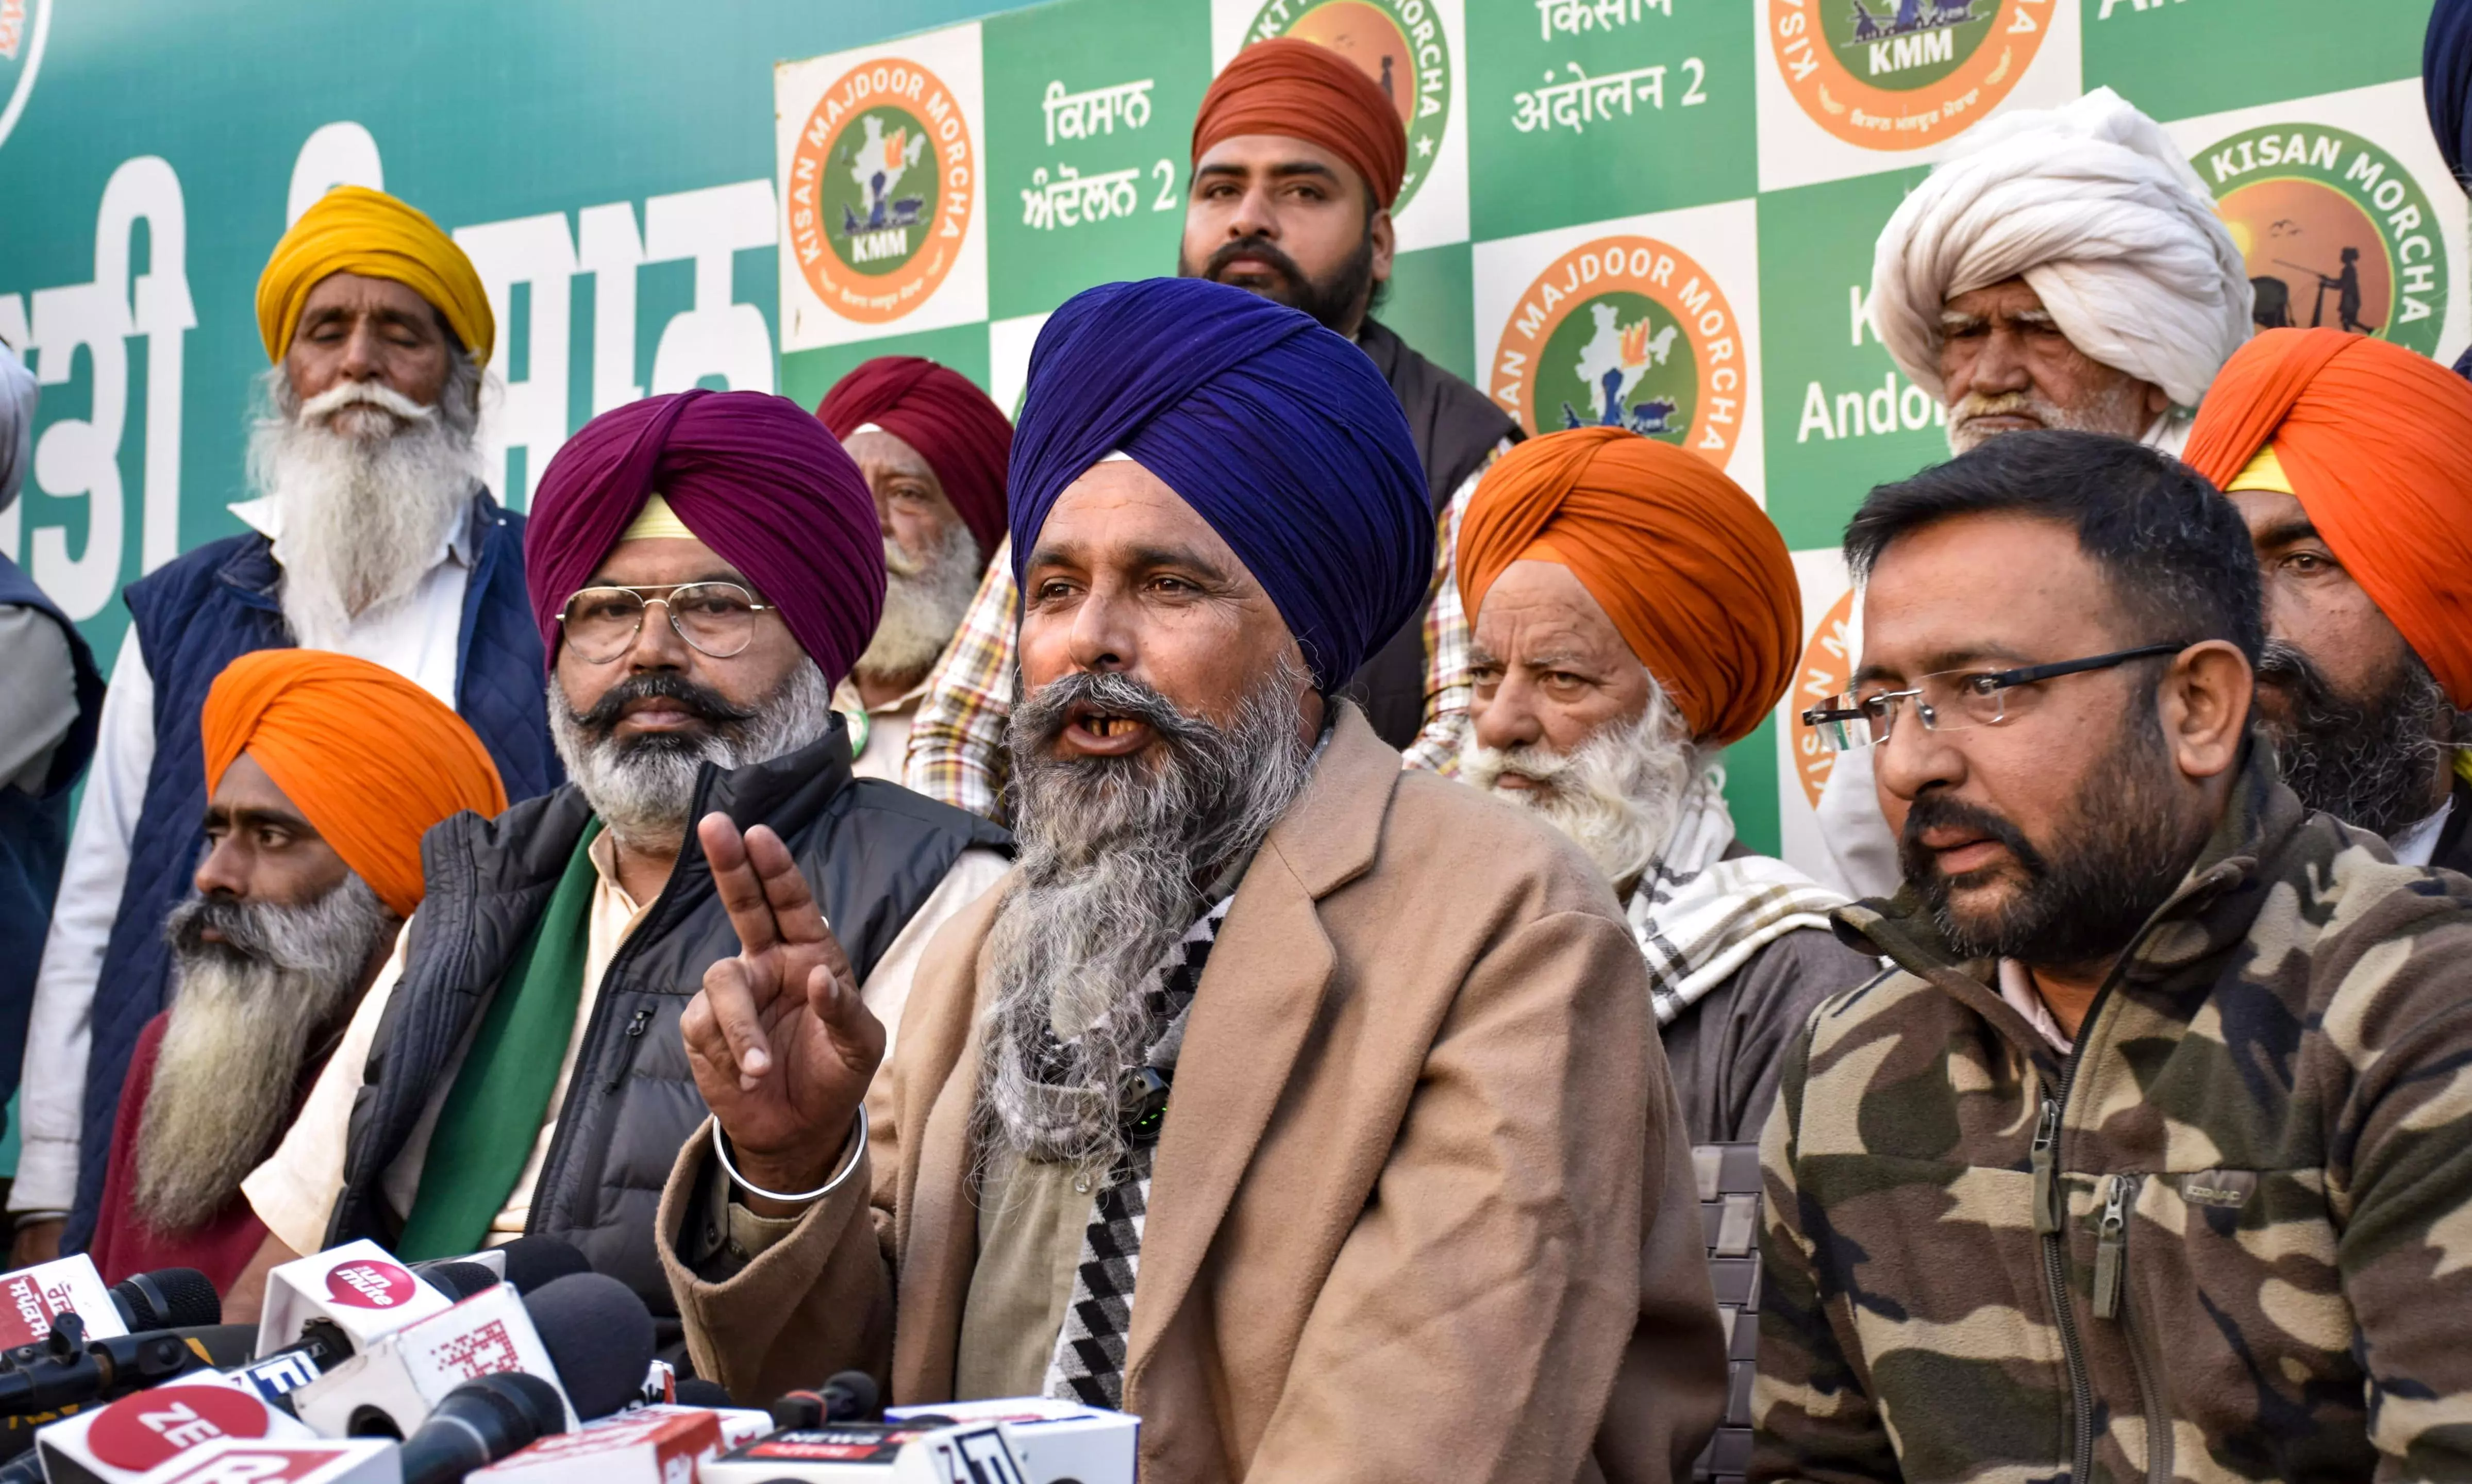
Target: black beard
(1337, 302)
(2118, 855)
(720, 717)
(2375, 764)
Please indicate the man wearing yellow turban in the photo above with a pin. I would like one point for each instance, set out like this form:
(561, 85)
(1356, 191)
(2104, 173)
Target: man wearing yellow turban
(1635, 614)
(323, 773)
(373, 534)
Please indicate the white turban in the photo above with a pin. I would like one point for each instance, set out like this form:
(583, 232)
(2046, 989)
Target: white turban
(2096, 208)
(17, 425)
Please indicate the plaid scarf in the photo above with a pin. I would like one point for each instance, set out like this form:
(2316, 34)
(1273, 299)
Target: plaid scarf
(1088, 1365)
(1698, 917)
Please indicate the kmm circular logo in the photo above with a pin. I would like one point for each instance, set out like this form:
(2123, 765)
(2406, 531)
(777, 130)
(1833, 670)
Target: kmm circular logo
(1397, 43)
(1624, 332)
(2335, 231)
(1903, 73)
(881, 190)
(23, 26)
(1827, 670)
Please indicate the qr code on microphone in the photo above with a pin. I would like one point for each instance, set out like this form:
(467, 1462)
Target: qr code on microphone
(476, 1353)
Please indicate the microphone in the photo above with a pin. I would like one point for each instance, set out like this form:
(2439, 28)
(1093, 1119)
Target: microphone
(663, 1443)
(32, 1298)
(599, 1338)
(849, 1397)
(358, 1289)
(456, 1280)
(71, 1371)
(538, 1260)
(479, 1423)
(167, 1299)
(695, 1391)
(136, 1435)
(1020, 1440)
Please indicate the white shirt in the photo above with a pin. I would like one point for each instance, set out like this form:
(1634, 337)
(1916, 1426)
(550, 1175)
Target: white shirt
(415, 637)
(880, 737)
(294, 1191)
(2414, 844)
(2017, 987)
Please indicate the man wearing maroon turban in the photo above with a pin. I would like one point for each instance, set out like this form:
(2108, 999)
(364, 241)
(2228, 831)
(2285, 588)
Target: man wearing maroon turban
(704, 568)
(1297, 158)
(933, 448)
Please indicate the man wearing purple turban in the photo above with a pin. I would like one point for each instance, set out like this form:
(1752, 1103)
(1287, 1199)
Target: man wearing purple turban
(1310, 1109)
(704, 569)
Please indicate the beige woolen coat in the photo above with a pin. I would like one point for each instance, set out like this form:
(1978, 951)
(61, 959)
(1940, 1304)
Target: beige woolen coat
(1423, 1208)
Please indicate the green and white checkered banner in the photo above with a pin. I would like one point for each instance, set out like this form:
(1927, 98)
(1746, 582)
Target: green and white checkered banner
(1683, 191)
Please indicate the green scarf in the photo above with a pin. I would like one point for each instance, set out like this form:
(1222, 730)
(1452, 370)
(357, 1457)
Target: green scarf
(493, 1114)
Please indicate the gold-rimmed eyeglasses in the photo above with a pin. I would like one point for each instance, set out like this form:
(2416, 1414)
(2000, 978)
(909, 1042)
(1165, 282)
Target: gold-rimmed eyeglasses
(717, 618)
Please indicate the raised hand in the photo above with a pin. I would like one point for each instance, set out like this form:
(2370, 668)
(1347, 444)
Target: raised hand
(782, 1046)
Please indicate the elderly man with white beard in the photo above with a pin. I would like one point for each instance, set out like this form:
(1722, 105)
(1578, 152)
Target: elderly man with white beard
(2065, 268)
(704, 568)
(933, 447)
(373, 534)
(1308, 1109)
(322, 773)
(1636, 612)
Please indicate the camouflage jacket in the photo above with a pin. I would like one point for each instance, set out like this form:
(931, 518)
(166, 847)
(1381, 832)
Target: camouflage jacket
(2230, 1237)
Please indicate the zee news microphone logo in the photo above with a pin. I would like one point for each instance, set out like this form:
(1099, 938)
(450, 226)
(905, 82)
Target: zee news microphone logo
(371, 1284)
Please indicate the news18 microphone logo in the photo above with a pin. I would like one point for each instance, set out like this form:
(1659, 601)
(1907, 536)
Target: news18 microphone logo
(371, 1284)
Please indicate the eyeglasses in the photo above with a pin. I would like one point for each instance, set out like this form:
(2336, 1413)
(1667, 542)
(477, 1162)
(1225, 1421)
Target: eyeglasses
(717, 618)
(1949, 700)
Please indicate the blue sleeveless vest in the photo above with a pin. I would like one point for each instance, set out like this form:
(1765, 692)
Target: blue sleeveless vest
(195, 615)
(34, 835)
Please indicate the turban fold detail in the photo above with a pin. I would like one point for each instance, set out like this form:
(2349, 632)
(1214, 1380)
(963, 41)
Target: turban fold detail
(2370, 438)
(19, 396)
(2096, 208)
(956, 427)
(369, 760)
(1278, 433)
(358, 230)
(753, 477)
(1689, 570)
(1307, 91)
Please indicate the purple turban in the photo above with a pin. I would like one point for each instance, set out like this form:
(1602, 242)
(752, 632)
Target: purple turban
(1276, 431)
(753, 477)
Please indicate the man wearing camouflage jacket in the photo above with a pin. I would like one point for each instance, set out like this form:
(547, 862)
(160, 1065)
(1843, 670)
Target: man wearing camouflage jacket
(2153, 1156)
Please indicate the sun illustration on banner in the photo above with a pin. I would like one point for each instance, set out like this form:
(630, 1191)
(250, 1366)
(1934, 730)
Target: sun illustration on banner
(1397, 43)
(2335, 233)
(24, 24)
(1903, 73)
(880, 190)
(1624, 332)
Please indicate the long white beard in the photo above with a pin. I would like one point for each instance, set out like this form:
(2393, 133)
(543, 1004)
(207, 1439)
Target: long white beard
(368, 486)
(924, 600)
(246, 1013)
(1618, 795)
(2118, 410)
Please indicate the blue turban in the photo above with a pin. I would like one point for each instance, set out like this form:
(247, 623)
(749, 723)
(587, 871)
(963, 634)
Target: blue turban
(1277, 432)
(2446, 87)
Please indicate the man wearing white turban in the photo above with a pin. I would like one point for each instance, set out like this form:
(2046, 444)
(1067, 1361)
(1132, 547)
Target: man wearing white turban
(2066, 268)
(46, 735)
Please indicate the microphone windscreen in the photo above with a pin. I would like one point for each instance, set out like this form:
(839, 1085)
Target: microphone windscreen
(851, 1398)
(695, 1391)
(599, 1336)
(169, 1299)
(458, 1281)
(535, 1261)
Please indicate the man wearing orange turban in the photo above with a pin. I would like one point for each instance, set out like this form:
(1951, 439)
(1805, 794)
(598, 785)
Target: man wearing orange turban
(1299, 155)
(1636, 614)
(2345, 455)
(322, 772)
(371, 534)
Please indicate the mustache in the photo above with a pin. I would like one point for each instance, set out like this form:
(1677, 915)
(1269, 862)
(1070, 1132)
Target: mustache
(1938, 811)
(364, 394)
(1259, 249)
(1042, 717)
(2001, 404)
(703, 703)
(2285, 665)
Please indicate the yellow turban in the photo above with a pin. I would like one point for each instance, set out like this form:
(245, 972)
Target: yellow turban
(357, 230)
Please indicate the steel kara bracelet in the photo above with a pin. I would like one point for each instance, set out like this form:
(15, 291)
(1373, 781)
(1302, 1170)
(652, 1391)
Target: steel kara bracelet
(721, 1152)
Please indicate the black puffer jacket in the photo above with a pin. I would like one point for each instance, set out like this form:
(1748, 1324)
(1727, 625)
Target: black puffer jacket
(873, 853)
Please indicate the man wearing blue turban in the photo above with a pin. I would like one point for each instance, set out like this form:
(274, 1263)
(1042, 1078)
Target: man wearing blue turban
(1287, 1100)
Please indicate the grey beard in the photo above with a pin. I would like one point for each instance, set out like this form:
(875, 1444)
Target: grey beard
(644, 787)
(923, 603)
(246, 1015)
(1618, 795)
(363, 518)
(1113, 857)
(2373, 765)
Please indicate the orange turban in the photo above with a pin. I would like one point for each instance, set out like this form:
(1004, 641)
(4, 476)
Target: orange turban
(1689, 567)
(1309, 92)
(367, 758)
(2373, 440)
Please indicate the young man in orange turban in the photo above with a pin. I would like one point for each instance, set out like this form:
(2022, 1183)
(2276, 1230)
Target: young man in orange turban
(322, 772)
(1635, 614)
(2345, 455)
(1299, 155)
